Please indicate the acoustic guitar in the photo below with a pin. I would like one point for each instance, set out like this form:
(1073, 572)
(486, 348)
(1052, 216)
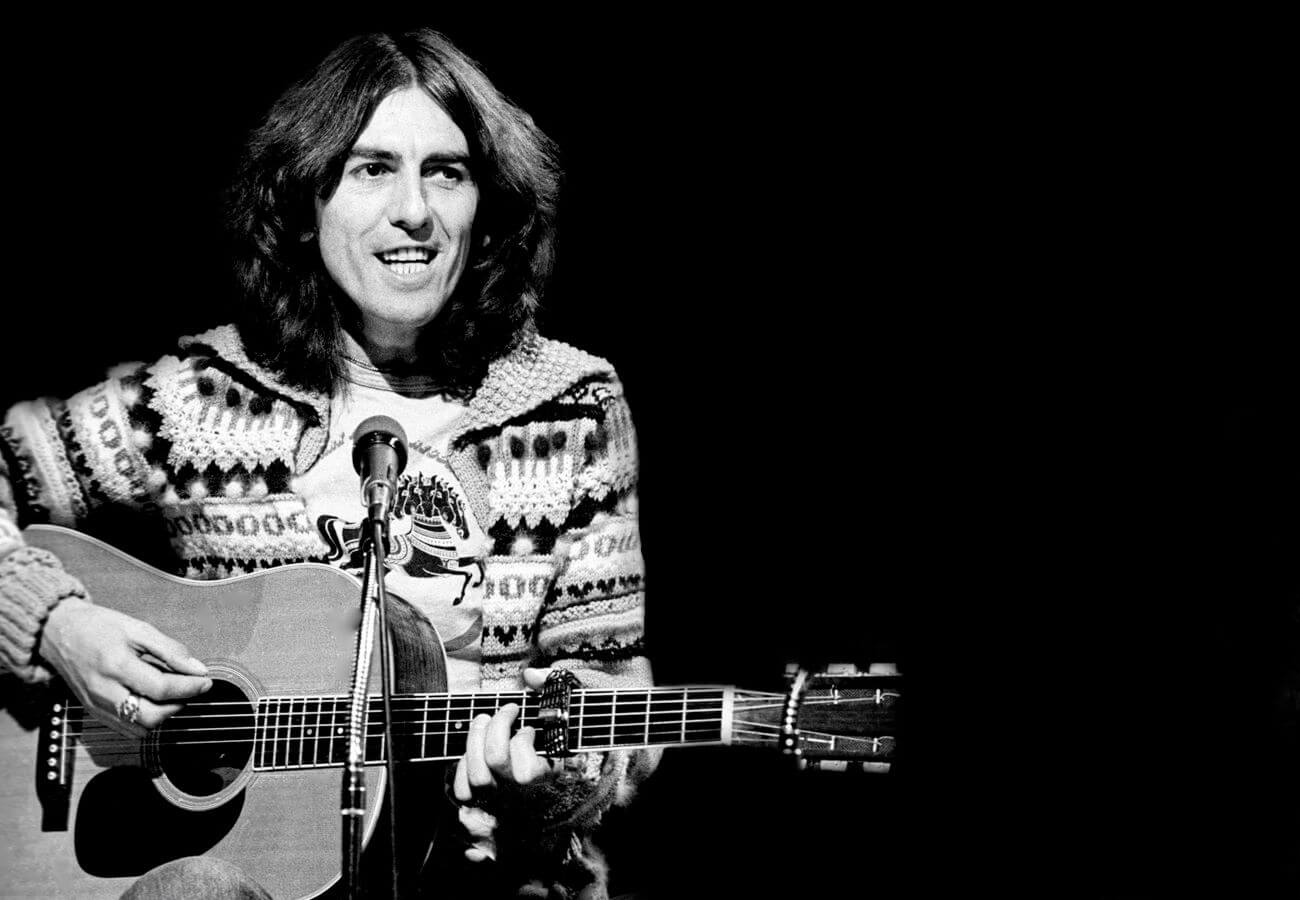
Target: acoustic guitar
(250, 772)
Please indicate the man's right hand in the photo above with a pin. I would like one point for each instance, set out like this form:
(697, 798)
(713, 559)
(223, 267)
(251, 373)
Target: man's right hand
(103, 655)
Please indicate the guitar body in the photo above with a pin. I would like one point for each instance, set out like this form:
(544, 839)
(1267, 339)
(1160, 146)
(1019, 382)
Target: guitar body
(107, 808)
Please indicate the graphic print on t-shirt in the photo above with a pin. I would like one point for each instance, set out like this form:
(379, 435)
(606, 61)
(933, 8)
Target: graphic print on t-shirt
(436, 547)
(429, 534)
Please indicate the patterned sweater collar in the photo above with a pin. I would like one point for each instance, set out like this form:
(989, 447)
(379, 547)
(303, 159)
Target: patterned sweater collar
(537, 370)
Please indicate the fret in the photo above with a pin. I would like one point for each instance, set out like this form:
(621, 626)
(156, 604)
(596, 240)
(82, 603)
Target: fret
(293, 746)
(666, 723)
(613, 715)
(259, 734)
(275, 739)
(286, 731)
(703, 717)
(460, 710)
(339, 729)
(578, 741)
(373, 737)
(424, 729)
(483, 704)
(446, 728)
(597, 719)
(268, 732)
(630, 710)
(315, 731)
(322, 733)
(683, 738)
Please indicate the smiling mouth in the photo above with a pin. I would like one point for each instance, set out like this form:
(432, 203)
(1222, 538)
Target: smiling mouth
(407, 260)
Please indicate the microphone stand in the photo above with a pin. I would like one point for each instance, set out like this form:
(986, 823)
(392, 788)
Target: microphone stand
(353, 802)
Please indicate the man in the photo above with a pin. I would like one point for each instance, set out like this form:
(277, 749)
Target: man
(393, 219)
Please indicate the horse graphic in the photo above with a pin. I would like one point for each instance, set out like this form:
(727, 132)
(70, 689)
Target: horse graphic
(428, 526)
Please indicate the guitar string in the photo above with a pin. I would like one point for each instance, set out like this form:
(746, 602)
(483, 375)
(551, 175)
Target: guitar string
(628, 720)
(261, 751)
(314, 719)
(692, 728)
(613, 697)
(739, 736)
(280, 718)
(291, 731)
(639, 726)
(290, 725)
(715, 736)
(282, 722)
(277, 717)
(335, 702)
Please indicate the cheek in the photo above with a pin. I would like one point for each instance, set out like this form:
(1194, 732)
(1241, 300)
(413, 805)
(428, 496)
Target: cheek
(338, 246)
(464, 214)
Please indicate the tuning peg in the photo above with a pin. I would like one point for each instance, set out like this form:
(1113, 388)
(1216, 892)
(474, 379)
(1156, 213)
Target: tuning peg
(841, 669)
(791, 670)
(842, 765)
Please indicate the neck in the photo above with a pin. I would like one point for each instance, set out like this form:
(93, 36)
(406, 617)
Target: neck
(296, 732)
(383, 349)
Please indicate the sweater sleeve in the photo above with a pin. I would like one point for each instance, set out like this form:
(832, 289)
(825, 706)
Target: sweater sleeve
(591, 623)
(58, 460)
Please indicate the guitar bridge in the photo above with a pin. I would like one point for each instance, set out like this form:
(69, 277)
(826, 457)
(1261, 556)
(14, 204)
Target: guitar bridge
(54, 766)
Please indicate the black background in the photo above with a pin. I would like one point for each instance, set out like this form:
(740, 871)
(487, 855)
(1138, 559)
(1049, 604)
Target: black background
(943, 346)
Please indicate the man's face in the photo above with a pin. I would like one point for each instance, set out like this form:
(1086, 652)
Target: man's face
(395, 235)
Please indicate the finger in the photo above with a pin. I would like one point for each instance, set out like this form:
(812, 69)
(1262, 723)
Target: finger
(478, 823)
(476, 769)
(525, 765)
(460, 783)
(496, 747)
(108, 698)
(107, 714)
(151, 714)
(883, 668)
(149, 682)
(172, 653)
(536, 678)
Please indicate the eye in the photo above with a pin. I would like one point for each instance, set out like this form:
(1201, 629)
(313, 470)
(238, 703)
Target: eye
(446, 174)
(371, 170)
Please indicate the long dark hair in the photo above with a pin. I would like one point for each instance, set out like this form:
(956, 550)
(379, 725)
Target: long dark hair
(292, 312)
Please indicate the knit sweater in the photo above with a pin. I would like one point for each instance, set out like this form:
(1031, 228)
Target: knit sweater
(205, 446)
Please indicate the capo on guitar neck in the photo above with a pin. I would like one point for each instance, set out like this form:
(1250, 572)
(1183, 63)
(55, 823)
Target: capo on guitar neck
(554, 714)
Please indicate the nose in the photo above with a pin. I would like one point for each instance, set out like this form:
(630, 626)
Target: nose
(408, 208)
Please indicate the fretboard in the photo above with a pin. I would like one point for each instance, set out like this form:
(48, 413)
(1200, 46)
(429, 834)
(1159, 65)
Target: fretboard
(311, 732)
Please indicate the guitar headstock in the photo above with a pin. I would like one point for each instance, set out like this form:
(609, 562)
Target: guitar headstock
(842, 719)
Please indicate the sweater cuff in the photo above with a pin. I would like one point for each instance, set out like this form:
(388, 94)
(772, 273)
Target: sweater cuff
(32, 583)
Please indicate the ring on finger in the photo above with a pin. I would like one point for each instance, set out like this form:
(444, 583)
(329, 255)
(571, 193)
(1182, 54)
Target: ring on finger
(129, 709)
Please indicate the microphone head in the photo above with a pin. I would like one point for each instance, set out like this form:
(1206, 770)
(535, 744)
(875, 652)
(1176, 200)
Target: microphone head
(378, 430)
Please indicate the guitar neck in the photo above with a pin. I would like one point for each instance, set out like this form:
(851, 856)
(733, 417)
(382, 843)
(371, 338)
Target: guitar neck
(308, 732)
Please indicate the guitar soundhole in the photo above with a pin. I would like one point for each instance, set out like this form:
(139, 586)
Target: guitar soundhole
(205, 746)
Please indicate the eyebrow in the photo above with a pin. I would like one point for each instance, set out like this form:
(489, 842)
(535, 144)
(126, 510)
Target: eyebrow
(389, 156)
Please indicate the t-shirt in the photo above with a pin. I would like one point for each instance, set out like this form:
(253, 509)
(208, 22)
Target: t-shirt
(437, 549)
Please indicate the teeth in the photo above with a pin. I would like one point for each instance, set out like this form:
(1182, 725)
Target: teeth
(407, 268)
(407, 254)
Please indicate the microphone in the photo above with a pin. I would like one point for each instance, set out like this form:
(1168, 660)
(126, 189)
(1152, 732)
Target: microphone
(379, 456)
